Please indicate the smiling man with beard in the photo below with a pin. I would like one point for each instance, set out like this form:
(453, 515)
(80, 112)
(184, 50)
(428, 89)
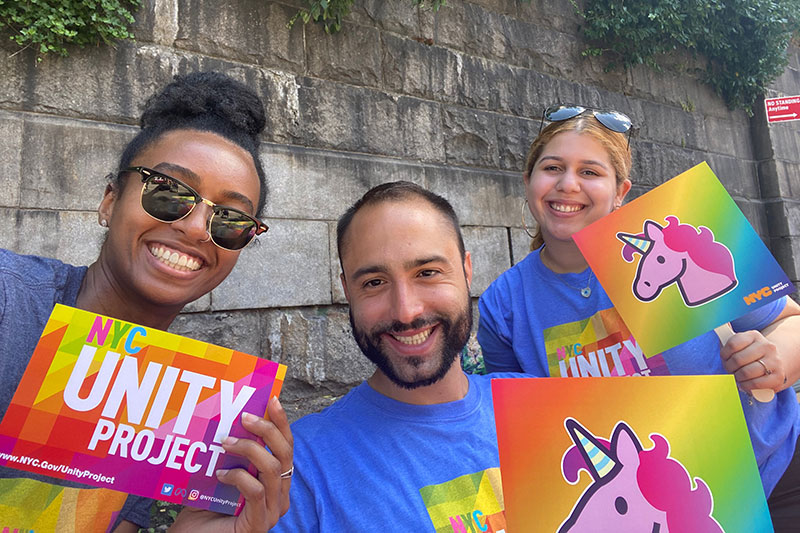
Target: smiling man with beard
(414, 447)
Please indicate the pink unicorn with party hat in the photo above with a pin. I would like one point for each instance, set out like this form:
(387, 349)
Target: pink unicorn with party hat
(633, 489)
(679, 253)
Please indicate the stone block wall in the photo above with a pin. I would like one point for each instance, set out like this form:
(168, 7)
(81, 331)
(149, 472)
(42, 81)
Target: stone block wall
(450, 100)
(777, 151)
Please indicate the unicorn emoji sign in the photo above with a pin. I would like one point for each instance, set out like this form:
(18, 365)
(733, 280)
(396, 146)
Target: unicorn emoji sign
(679, 253)
(616, 454)
(681, 260)
(633, 489)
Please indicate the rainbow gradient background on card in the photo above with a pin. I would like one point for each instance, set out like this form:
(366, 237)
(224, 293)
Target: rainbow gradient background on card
(700, 416)
(698, 198)
(38, 424)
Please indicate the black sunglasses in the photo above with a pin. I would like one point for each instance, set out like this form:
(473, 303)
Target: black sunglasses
(613, 120)
(168, 199)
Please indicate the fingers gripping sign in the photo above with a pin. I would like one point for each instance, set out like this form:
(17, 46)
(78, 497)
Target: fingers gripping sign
(266, 494)
(753, 360)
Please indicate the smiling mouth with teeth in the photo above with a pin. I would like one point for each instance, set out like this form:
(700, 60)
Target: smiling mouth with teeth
(174, 259)
(419, 338)
(562, 208)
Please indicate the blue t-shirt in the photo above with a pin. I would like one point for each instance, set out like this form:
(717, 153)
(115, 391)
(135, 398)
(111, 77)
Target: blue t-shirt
(531, 319)
(371, 463)
(29, 288)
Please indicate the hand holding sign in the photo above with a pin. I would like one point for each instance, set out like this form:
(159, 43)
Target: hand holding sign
(753, 360)
(267, 495)
(682, 255)
(143, 411)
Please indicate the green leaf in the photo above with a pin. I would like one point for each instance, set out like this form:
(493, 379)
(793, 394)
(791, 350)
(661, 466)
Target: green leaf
(52, 25)
(744, 41)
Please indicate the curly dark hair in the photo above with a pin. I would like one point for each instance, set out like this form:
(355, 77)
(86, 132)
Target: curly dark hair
(203, 101)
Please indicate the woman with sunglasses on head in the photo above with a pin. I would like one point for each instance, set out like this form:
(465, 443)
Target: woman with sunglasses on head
(177, 214)
(577, 172)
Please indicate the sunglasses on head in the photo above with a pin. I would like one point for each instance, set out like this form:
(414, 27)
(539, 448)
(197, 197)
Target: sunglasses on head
(613, 120)
(168, 199)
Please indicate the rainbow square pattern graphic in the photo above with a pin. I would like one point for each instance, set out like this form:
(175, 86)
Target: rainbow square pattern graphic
(681, 260)
(627, 455)
(598, 346)
(472, 502)
(134, 409)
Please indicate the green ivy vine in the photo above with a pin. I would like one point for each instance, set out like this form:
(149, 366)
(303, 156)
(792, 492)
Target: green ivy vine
(49, 25)
(743, 41)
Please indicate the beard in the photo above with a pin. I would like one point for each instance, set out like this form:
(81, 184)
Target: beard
(408, 372)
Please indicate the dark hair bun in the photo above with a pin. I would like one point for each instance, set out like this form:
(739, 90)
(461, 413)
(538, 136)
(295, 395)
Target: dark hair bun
(198, 97)
(203, 101)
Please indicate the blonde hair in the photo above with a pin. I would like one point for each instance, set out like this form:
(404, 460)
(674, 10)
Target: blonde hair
(615, 144)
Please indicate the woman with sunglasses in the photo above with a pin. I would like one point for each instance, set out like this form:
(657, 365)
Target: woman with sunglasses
(177, 214)
(577, 172)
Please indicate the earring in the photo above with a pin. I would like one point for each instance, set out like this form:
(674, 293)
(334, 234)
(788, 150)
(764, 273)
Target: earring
(524, 225)
(104, 223)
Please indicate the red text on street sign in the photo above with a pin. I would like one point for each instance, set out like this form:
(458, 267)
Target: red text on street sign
(783, 108)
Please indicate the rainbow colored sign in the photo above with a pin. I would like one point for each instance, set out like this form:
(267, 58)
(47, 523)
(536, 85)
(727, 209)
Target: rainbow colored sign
(630, 454)
(681, 260)
(135, 409)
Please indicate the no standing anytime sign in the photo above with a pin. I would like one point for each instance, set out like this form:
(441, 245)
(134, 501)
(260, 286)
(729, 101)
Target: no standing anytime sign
(782, 109)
